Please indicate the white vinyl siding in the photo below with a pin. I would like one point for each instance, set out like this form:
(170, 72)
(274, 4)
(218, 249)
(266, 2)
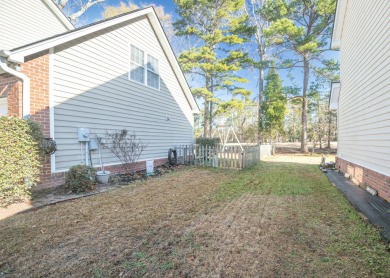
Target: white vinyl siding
(364, 114)
(23, 22)
(92, 89)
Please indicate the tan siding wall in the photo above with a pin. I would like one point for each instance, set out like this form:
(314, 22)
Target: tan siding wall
(23, 22)
(92, 89)
(364, 104)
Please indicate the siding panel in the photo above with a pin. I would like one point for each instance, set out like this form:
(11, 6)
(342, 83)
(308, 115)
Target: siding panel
(92, 89)
(23, 22)
(364, 117)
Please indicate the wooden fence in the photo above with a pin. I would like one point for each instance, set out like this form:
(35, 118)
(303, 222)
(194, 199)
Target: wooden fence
(232, 157)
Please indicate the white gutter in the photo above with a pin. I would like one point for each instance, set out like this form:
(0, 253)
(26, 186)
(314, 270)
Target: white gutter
(25, 82)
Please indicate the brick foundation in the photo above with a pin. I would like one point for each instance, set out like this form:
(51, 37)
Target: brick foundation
(360, 175)
(57, 179)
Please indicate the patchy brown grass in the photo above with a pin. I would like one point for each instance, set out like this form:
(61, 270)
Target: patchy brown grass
(199, 223)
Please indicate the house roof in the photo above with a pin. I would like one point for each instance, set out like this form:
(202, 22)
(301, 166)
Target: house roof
(338, 23)
(57, 11)
(18, 55)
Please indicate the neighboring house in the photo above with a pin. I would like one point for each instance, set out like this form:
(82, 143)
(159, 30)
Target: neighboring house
(23, 22)
(362, 98)
(113, 74)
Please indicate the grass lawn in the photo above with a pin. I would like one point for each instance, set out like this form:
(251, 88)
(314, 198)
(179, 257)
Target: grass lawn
(279, 218)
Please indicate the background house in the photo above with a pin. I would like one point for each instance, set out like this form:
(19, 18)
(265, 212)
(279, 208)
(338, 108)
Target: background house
(114, 74)
(362, 97)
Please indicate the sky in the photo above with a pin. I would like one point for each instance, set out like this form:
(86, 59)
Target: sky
(95, 14)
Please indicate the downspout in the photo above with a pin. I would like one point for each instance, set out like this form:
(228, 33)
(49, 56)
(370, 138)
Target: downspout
(25, 82)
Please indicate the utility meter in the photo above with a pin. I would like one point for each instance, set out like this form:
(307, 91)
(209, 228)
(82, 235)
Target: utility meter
(93, 145)
(83, 134)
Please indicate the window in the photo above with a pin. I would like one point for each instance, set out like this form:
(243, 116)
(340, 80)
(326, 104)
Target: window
(3, 106)
(153, 77)
(139, 68)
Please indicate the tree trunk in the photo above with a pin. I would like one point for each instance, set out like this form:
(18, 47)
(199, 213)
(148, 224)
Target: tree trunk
(260, 111)
(211, 107)
(319, 123)
(329, 128)
(306, 75)
(206, 118)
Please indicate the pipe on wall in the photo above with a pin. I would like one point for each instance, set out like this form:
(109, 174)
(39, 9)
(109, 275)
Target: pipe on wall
(26, 86)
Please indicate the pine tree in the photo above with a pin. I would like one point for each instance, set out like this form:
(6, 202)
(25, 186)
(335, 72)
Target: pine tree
(304, 31)
(274, 105)
(215, 29)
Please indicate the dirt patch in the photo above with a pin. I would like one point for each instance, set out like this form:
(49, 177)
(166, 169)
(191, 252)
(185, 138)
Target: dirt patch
(50, 196)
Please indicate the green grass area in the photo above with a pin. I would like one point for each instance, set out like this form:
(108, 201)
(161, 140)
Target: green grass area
(324, 209)
(274, 178)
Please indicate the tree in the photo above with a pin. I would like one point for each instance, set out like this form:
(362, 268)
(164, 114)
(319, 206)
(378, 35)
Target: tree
(260, 18)
(214, 28)
(305, 31)
(275, 104)
(76, 8)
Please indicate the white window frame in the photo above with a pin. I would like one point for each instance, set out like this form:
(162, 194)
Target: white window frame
(4, 105)
(152, 71)
(145, 67)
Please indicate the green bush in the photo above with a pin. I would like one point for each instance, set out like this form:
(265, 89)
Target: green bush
(19, 160)
(38, 135)
(80, 178)
(207, 141)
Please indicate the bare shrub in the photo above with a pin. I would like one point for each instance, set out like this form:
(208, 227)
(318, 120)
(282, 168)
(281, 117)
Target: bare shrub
(127, 147)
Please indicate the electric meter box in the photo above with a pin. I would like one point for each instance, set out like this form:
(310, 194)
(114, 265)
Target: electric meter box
(83, 134)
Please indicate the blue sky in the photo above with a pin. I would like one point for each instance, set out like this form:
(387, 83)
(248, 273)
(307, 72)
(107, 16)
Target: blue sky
(95, 13)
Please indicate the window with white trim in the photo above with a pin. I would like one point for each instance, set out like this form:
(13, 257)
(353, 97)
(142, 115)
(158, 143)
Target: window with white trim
(152, 75)
(3, 106)
(139, 68)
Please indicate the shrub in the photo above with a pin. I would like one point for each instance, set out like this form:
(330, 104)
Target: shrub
(35, 130)
(207, 141)
(19, 160)
(80, 178)
(127, 147)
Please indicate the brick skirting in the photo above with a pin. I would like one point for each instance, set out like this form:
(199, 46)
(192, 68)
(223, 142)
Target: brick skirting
(361, 175)
(57, 179)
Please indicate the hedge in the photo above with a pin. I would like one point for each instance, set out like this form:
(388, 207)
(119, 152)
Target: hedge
(207, 141)
(19, 158)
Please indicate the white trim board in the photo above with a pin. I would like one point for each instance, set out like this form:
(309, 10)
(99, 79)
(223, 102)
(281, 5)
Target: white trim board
(56, 10)
(51, 106)
(338, 23)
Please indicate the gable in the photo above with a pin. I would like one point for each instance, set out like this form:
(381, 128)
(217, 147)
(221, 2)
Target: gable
(96, 29)
(23, 22)
(92, 88)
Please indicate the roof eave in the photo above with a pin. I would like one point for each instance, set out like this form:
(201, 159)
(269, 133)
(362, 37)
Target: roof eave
(338, 24)
(56, 10)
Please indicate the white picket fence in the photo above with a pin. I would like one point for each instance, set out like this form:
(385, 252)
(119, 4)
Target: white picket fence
(232, 157)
